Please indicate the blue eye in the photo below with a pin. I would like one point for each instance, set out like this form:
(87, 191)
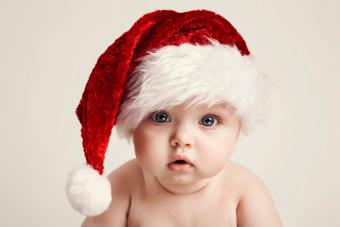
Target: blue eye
(208, 121)
(160, 117)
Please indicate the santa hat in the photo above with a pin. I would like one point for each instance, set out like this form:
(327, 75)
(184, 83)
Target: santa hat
(164, 59)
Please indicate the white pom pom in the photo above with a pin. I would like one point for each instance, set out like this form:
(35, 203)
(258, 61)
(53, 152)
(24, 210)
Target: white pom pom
(87, 191)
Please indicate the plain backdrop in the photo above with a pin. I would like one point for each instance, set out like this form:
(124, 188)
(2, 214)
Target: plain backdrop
(48, 49)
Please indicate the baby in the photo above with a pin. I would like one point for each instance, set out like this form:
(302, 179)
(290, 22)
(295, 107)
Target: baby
(181, 86)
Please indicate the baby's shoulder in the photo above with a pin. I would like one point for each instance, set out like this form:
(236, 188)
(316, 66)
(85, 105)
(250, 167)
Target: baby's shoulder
(126, 176)
(255, 203)
(122, 180)
(241, 173)
(242, 179)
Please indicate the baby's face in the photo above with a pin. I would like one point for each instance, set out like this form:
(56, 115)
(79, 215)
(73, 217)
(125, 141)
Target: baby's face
(204, 137)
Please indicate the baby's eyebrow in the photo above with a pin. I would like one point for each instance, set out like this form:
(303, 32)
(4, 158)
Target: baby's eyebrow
(221, 111)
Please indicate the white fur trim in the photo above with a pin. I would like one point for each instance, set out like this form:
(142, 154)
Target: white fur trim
(207, 74)
(87, 191)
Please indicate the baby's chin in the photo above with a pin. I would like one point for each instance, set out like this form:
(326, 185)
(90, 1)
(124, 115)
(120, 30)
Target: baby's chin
(183, 184)
(181, 180)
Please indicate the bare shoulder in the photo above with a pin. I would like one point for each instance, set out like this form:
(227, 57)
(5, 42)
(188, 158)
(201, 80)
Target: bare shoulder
(243, 176)
(255, 204)
(116, 214)
(125, 173)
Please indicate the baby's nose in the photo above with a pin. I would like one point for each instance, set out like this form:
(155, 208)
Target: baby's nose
(182, 137)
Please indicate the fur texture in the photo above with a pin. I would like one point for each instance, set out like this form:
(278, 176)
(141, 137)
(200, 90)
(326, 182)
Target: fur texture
(87, 191)
(197, 74)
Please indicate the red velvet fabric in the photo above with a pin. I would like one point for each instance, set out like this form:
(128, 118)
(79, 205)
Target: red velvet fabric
(99, 105)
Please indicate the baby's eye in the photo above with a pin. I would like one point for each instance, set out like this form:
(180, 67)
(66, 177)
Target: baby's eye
(209, 121)
(160, 117)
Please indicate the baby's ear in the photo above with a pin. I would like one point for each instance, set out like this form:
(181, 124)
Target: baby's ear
(130, 138)
(239, 129)
(233, 151)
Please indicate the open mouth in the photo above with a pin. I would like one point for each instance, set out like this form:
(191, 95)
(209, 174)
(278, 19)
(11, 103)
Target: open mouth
(180, 165)
(181, 162)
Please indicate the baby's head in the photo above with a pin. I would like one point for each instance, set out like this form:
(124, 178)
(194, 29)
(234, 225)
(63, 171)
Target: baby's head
(189, 102)
(180, 82)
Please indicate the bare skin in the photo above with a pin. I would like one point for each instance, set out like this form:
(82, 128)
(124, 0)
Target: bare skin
(237, 198)
(212, 191)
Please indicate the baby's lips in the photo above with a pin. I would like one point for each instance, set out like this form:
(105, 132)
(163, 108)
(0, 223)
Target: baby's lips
(181, 158)
(180, 167)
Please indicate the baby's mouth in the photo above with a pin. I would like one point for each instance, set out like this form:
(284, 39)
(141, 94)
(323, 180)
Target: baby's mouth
(180, 165)
(180, 162)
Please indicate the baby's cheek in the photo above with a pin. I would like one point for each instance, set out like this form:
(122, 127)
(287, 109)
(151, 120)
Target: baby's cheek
(215, 155)
(143, 150)
(217, 160)
(140, 145)
(148, 150)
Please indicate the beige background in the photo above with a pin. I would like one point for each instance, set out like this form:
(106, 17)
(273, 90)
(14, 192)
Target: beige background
(48, 49)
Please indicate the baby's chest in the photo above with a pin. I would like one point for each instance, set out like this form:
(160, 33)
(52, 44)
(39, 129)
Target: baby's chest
(217, 213)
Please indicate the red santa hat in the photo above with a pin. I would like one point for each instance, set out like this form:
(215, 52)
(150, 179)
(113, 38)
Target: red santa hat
(164, 59)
